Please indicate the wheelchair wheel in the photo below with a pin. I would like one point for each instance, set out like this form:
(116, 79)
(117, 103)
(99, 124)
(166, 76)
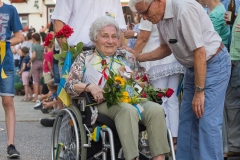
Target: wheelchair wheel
(68, 136)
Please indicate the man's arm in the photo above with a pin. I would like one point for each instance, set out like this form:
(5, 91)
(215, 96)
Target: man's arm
(200, 76)
(57, 26)
(161, 52)
(142, 39)
(16, 39)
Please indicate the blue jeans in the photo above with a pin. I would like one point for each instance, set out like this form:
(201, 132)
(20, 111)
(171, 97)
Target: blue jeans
(7, 84)
(56, 75)
(201, 139)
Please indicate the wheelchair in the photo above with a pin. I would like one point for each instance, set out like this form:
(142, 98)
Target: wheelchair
(71, 135)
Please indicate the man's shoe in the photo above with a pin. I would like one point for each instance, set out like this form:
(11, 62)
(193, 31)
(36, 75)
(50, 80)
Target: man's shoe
(47, 122)
(233, 154)
(38, 107)
(12, 151)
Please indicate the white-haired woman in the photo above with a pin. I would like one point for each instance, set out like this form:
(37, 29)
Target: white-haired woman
(104, 32)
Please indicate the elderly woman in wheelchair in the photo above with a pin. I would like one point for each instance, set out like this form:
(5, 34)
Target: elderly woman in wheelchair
(104, 32)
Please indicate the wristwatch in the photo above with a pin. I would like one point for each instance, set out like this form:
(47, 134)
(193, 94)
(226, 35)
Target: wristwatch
(198, 89)
(135, 34)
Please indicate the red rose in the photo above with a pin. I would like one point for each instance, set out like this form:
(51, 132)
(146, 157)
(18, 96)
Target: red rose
(137, 77)
(169, 92)
(59, 34)
(144, 95)
(67, 31)
(159, 95)
(104, 62)
(144, 78)
(48, 39)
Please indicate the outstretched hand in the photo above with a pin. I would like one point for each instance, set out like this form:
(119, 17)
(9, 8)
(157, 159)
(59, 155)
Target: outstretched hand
(131, 51)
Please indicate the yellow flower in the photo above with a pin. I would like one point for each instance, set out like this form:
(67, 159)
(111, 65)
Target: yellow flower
(124, 100)
(125, 94)
(119, 80)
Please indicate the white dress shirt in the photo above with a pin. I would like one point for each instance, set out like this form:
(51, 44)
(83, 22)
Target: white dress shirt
(187, 23)
(80, 14)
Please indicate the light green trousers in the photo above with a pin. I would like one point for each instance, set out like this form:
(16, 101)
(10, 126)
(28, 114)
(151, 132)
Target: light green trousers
(126, 120)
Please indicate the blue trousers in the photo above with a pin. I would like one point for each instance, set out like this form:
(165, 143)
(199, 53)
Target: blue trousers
(201, 139)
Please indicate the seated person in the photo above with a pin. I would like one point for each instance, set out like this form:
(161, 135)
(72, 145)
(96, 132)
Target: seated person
(104, 32)
(51, 101)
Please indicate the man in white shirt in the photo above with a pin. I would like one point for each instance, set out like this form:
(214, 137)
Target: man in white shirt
(187, 32)
(79, 15)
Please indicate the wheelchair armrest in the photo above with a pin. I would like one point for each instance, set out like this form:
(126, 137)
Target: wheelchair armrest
(85, 98)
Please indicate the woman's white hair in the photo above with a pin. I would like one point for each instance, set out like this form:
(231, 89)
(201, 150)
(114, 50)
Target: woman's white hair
(100, 23)
(132, 3)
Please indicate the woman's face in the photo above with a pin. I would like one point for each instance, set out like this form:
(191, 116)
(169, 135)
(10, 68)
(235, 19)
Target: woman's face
(107, 41)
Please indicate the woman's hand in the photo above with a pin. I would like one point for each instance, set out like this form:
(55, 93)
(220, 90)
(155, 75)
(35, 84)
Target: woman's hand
(97, 93)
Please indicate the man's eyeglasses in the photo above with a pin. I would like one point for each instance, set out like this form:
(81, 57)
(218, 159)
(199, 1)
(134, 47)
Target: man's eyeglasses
(146, 12)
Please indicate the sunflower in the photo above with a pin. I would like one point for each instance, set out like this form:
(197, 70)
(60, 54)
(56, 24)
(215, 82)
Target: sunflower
(119, 80)
(125, 94)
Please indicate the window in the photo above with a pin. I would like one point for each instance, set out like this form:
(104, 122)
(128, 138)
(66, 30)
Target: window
(50, 12)
(24, 20)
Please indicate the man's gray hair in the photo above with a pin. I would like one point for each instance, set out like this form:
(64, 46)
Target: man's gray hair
(99, 24)
(132, 3)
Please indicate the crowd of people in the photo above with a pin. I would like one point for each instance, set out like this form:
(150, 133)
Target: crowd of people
(183, 45)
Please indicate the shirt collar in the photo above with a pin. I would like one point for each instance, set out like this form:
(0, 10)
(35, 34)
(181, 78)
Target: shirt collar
(168, 10)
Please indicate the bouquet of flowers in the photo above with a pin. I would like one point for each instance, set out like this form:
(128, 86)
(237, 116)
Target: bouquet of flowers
(130, 90)
(64, 34)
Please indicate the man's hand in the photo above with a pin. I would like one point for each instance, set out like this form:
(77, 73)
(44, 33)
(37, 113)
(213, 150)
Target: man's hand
(198, 104)
(137, 55)
(129, 34)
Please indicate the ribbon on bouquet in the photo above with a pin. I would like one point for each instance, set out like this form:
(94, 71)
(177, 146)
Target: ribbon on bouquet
(104, 75)
(3, 54)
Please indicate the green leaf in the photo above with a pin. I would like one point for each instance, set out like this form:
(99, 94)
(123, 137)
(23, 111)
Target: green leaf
(63, 55)
(57, 56)
(64, 46)
(79, 47)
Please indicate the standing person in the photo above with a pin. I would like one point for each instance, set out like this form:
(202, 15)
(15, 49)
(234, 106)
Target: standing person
(37, 64)
(25, 73)
(162, 73)
(232, 102)
(10, 23)
(48, 63)
(188, 33)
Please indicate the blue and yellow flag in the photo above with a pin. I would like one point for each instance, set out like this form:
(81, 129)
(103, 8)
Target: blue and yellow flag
(62, 94)
(3, 49)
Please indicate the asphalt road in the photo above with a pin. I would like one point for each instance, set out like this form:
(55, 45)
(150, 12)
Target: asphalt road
(32, 140)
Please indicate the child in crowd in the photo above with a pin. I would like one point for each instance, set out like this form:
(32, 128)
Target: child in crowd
(25, 73)
(51, 101)
(48, 63)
